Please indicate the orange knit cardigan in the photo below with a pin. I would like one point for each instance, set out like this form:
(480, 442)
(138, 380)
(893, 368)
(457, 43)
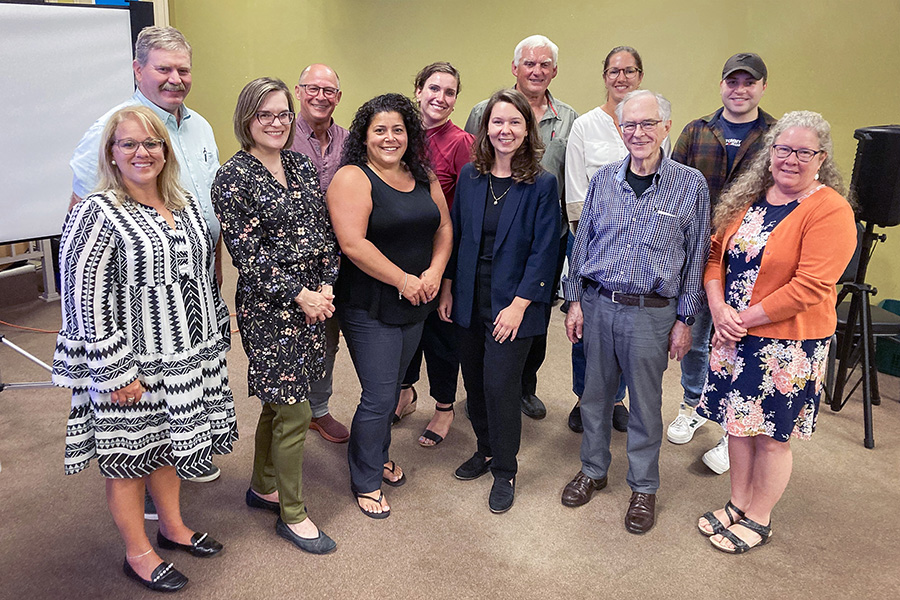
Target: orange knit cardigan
(804, 257)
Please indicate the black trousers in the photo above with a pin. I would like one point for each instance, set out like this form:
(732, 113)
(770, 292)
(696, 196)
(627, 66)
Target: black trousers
(441, 360)
(492, 375)
(539, 346)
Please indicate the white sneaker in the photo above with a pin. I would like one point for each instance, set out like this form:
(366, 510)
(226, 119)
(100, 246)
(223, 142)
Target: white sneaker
(717, 458)
(685, 424)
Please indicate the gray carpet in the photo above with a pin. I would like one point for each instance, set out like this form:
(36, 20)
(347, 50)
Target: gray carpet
(834, 530)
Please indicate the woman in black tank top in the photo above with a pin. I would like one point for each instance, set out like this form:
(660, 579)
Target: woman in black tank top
(394, 231)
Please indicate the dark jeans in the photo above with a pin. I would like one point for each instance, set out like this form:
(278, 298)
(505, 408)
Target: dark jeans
(380, 354)
(539, 342)
(439, 347)
(492, 375)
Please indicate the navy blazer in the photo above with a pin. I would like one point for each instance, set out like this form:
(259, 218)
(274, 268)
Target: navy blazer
(525, 249)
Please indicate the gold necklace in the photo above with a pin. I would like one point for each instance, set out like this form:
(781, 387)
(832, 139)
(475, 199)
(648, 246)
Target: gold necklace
(493, 195)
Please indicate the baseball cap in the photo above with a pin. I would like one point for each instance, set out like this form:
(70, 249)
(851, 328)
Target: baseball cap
(745, 61)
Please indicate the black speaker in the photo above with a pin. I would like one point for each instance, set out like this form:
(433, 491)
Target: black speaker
(876, 175)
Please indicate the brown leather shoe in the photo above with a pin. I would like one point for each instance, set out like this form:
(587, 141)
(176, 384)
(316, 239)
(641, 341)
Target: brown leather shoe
(641, 513)
(579, 490)
(330, 429)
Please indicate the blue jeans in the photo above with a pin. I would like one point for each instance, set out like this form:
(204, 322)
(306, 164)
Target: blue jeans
(380, 354)
(695, 364)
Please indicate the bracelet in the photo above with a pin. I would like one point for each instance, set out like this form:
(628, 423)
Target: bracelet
(140, 555)
(405, 281)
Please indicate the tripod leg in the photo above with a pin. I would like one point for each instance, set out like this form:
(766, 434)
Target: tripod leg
(866, 341)
(844, 353)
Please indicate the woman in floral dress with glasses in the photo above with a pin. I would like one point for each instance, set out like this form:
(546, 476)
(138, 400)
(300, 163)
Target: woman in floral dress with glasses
(277, 230)
(783, 234)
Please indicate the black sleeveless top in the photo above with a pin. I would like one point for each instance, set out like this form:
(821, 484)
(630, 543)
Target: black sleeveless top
(402, 226)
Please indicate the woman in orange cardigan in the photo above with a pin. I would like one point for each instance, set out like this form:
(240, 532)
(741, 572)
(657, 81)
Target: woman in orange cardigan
(783, 234)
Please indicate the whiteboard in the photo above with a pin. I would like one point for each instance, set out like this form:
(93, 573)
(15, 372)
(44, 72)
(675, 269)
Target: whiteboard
(62, 67)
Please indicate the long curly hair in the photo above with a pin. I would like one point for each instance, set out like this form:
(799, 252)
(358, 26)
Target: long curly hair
(415, 158)
(757, 179)
(526, 162)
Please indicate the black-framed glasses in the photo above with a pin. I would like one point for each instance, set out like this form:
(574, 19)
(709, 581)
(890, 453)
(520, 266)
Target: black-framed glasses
(647, 125)
(313, 90)
(628, 72)
(266, 118)
(804, 155)
(130, 146)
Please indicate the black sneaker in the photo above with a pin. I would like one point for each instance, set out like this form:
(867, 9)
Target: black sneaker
(575, 423)
(211, 473)
(149, 508)
(620, 418)
(503, 492)
(533, 407)
(473, 468)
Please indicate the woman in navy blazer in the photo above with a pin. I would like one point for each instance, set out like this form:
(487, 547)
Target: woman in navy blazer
(498, 282)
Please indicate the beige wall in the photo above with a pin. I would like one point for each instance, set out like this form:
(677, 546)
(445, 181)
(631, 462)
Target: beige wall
(837, 57)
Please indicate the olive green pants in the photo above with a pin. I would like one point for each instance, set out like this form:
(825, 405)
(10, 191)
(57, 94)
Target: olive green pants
(278, 460)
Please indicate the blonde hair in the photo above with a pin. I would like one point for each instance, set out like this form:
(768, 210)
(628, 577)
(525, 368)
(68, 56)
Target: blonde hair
(757, 179)
(170, 190)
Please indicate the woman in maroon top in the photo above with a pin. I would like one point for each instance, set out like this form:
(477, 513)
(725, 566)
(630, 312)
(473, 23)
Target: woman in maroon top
(449, 148)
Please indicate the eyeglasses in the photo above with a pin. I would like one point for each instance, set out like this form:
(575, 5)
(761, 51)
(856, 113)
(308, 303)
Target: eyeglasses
(267, 118)
(628, 72)
(631, 126)
(130, 146)
(313, 90)
(804, 155)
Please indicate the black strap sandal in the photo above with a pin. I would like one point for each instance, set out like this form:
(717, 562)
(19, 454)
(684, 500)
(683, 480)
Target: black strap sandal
(408, 409)
(393, 471)
(717, 526)
(430, 435)
(372, 515)
(740, 546)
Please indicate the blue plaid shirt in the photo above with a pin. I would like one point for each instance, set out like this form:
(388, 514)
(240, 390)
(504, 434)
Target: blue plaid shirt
(656, 243)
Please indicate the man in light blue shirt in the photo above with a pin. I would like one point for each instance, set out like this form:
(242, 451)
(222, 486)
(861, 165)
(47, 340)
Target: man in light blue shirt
(162, 69)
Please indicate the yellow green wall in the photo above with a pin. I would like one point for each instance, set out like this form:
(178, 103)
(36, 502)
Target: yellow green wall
(837, 57)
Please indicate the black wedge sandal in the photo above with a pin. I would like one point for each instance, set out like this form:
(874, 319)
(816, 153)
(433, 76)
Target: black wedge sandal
(740, 546)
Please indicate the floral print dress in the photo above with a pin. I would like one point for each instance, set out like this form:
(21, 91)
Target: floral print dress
(762, 386)
(281, 241)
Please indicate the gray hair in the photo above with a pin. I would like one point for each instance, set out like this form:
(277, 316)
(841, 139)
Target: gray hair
(665, 107)
(159, 38)
(757, 178)
(535, 41)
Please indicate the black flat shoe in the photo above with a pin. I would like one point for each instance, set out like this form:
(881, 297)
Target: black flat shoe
(473, 468)
(502, 495)
(165, 577)
(620, 418)
(254, 500)
(322, 544)
(533, 407)
(575, 423)
(202, 545)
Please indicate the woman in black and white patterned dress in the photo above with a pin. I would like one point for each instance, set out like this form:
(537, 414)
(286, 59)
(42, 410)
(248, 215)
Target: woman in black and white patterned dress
(143, 342)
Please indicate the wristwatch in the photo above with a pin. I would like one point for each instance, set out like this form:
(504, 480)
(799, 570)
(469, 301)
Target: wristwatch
(686, 320)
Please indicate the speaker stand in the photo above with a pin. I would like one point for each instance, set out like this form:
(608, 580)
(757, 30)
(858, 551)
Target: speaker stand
(852, 348)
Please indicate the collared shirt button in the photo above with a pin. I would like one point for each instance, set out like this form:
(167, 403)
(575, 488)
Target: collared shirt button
(542, 284)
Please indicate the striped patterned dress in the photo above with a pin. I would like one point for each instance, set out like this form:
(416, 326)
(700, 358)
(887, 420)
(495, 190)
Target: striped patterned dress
(138, 302)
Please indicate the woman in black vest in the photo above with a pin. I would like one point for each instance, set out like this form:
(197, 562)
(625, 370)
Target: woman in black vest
(394, 231)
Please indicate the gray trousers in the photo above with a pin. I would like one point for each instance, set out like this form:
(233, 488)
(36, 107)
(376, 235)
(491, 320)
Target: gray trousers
(320, 390)
(633, 341)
